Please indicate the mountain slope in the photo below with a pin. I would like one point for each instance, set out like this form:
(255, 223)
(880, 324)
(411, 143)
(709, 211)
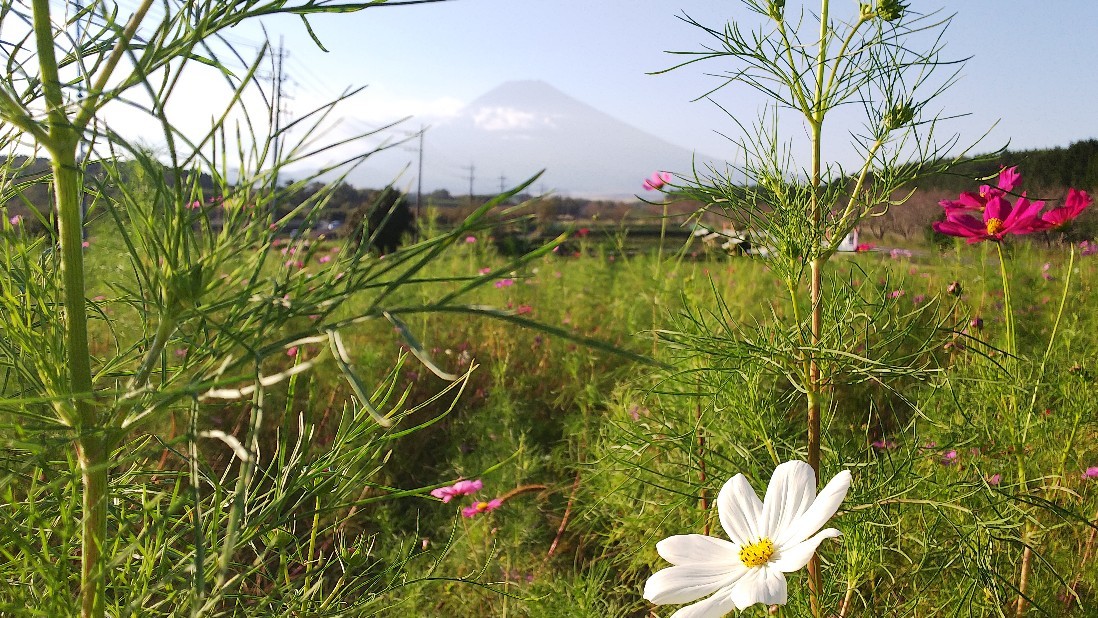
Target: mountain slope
(521, 127)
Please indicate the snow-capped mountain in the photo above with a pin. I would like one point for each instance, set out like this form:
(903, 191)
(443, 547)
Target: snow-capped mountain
(521, 127)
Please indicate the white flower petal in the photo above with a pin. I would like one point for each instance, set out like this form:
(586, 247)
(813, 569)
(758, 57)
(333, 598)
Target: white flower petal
(714, 607)
(739, 509)
(761, 585)
(686, 583)
(790, 493)
(795, 557)
(822, 509)
(695, 548)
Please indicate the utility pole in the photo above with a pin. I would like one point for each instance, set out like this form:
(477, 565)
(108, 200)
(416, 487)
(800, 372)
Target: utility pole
(502, 182)
(277, 78)
(472, 176)
(419, 183)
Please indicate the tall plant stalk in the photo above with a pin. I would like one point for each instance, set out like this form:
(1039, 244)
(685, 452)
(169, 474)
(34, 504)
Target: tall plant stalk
(803, 214)
(92, 446)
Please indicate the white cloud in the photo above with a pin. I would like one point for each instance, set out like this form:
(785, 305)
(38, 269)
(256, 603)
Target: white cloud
(508, 119)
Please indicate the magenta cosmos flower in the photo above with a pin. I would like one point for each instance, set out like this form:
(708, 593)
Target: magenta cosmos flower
(999, 219)
(1075, 203)
(1008, 179)
(481, 507)
(656, 181)
(460, 488)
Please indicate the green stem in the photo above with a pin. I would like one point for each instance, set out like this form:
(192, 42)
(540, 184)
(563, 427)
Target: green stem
(1011, 344)
(164, 332)
(121, 47)
(94, 454)
(842, 52)
(1011, 349)
(93, 446)
(816, 125)
(1048, 349)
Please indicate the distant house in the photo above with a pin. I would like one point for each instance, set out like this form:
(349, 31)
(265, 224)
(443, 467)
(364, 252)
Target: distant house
(754, 242)
(850, 243)
(746, 242)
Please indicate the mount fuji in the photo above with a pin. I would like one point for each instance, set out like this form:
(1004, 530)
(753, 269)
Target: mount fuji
(521, 127)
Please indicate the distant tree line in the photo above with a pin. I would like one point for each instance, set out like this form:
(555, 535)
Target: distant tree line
(353, 211)
(1044, 171)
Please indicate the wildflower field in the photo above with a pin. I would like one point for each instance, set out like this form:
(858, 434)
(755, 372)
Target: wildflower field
(595, 457)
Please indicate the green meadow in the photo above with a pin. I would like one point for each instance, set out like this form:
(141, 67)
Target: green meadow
(599, 456)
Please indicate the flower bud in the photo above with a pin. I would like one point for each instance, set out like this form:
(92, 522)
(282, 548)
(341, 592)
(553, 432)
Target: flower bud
(955, 288)
(900, 115)
(890, 10)
(776, 9)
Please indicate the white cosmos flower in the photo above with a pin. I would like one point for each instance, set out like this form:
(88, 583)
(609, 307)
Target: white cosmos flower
(768, 539)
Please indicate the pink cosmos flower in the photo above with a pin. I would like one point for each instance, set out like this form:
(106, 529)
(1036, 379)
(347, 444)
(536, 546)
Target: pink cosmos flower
(656, 181)
(16, 220)
(1091, 473)
(481, 507)
(949, 458)
(85, 244)
(883, 445)
(1088, 248)
(505, 283)
(485, 270)
(1000, 218)
(524, 309)
(1008, 179)
(460, 488)
(896, 293)
(292, 352)
(1074, 204)
(470, 240)
(324, 259)
(994, 479)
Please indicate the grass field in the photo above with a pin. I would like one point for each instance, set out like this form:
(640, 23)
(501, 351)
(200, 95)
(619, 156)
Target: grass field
(958, 465)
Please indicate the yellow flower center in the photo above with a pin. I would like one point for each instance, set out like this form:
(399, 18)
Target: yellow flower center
(482, 506)
(757, 553)
(994, 225)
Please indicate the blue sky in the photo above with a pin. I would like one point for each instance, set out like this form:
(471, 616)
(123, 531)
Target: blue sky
(1031, 69)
